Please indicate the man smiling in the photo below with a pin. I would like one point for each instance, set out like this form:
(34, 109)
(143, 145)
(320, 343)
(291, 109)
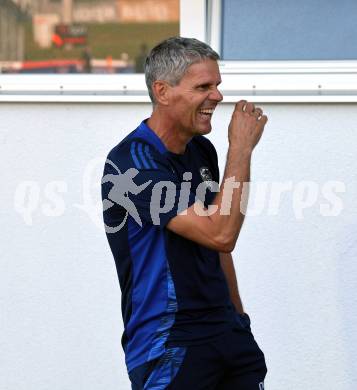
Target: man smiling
(194, 100)
(185, 327)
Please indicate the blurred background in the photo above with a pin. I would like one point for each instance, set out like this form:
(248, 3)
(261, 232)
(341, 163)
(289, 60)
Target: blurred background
(82, 36)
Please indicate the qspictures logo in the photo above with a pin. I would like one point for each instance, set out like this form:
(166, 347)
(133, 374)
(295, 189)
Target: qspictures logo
(299, 200)
(164, 196)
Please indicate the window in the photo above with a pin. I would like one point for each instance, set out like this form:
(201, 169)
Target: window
(288, 30)
(82, 36)
(80, 50)
(296, 52)
(277, 50)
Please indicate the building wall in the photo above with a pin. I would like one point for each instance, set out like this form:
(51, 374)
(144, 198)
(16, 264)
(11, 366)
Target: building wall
(148, 10)
(98, 13)
(83, 12)
(61, 323)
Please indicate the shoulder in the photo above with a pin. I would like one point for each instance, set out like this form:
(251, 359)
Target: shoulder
(136, 152)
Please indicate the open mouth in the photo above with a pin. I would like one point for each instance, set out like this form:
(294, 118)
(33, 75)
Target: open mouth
(206, 112)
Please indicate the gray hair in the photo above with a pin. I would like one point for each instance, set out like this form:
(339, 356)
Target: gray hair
(170, 59)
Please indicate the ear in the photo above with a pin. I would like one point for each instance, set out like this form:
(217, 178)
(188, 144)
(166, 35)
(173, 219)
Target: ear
(161, 91)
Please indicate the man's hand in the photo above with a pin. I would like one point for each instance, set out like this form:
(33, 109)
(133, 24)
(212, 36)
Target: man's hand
(219, 231)
(246, 126)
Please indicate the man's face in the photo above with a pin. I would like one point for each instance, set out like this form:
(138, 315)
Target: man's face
(194, 99)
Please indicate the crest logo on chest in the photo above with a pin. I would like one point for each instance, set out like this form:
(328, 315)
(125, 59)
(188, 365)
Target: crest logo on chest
(206, 177)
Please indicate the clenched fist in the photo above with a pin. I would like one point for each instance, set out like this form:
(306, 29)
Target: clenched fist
(246, 126)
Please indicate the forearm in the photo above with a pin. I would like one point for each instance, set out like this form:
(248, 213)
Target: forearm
(218, 226)
(244, 132)
(227, 266)
(233, 196)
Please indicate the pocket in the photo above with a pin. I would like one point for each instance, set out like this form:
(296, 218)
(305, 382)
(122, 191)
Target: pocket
(139, 375)
(244, 320)
(150, 368)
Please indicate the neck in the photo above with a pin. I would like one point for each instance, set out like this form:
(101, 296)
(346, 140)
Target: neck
(174, 140)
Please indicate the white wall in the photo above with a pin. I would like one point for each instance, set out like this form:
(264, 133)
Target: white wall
(59, 295)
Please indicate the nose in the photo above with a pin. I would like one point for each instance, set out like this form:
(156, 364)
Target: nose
(216, 95)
